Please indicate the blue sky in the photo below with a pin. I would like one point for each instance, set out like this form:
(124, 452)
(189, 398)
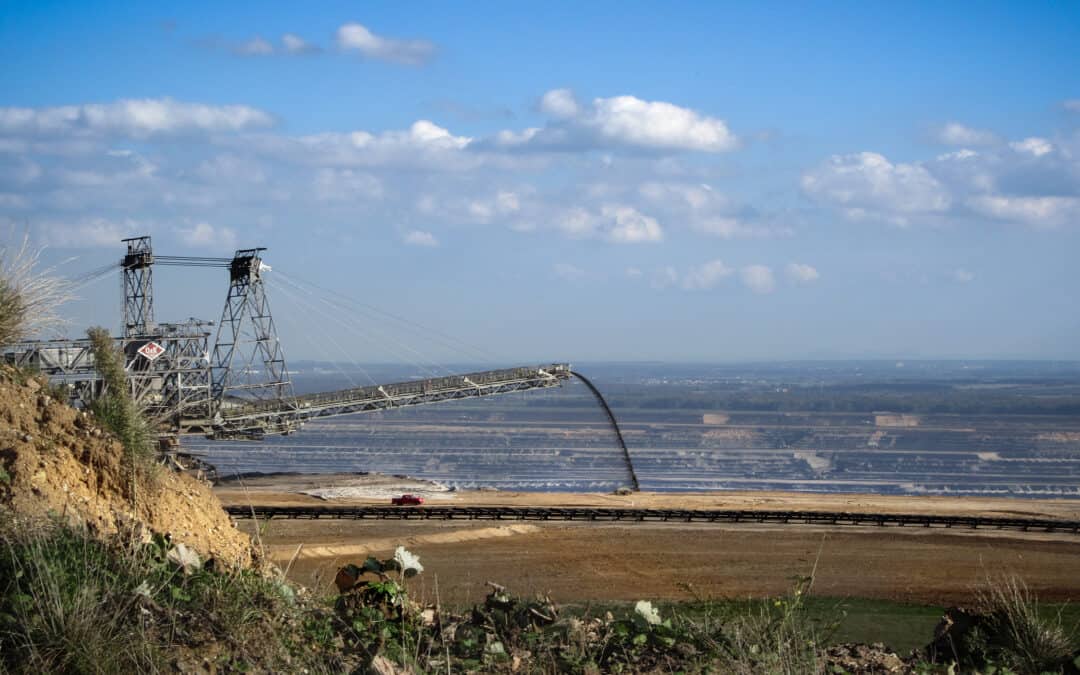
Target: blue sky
(692, 181)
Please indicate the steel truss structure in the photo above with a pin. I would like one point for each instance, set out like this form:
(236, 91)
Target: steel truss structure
(239, 387)
(248, 361)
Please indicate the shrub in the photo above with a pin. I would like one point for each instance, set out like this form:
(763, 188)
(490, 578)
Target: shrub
(71, 603)
(115, 410)
(1016, 634)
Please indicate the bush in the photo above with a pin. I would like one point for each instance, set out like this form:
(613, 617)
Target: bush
(70, 603)
(115, 410)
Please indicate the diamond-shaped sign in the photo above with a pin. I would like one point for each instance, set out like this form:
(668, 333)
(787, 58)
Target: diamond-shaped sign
(151, 350)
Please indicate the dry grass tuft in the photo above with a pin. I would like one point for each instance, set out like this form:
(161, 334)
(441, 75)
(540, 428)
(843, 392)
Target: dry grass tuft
(30, 297)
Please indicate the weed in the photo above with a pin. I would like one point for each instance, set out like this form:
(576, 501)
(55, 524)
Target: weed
(70, 603)
(29, 296)
(1015, 633)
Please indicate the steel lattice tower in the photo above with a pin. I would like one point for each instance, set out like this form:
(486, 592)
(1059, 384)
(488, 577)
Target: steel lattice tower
(248, 362)
(138, 287)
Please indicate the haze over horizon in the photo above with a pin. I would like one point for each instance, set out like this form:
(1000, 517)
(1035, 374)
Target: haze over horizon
(609, 182)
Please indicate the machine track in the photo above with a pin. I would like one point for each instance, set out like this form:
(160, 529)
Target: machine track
(624, 515)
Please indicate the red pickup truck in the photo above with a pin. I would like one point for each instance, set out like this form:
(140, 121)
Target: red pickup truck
(407, 500)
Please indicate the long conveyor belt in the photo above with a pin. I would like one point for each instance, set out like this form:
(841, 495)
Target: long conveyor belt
(631, 515)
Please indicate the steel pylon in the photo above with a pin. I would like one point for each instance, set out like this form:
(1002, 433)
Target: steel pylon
(248, 361)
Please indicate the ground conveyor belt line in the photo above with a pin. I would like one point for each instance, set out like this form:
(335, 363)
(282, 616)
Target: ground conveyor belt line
(625, 515)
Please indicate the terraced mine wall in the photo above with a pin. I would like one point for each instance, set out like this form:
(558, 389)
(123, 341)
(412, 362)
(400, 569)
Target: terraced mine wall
(561, 441)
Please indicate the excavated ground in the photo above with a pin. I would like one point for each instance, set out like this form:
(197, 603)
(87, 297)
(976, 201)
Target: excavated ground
(55, 461)
(581, 562)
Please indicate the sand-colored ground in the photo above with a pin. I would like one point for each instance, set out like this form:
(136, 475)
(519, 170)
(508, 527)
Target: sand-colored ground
(376, 489)
(580, 562)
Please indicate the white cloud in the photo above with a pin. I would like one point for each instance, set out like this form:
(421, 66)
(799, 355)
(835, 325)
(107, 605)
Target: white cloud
(801, 274)
(962, 276)
(626, 225)
(1038, 212)
(559, 103)
(955, 133)
(705, 276)
(568, 272)
(656, 124)
(868, 185)
(294, 44)
(1072, 105)
(135, 118)
(633, 272)
(704, 210)
(696, 197)
(421, 238)
(621, 122)
(254, 47)
(486, 210)
(205, 235)
(618, 224)
(356, 37)
(1033, 146)
(758, 278)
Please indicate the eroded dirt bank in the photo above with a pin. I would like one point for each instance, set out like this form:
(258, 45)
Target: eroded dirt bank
(57, 462)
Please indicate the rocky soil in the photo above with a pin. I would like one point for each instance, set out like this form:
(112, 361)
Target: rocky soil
(56, 461)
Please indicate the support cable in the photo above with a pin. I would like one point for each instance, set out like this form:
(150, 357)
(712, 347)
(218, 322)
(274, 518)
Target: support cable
(345, 320)
(448, 341)
(301, 305)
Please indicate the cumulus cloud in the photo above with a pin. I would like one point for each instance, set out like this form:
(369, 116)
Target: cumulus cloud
(620, 122)
(615, 223)
(355, 37)
(135, 118)
(560, 104)
(704, 277)
(758, 278)
(568, 272)
(421, 238)
(801, 274)
(1032, 181)
(1033, 146)
(1038, 212)
(705, 210)
(955, 133)
(866, 184)
(627, 225)
(205, 235)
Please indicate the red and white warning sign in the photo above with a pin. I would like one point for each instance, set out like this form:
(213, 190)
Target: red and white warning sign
(151, 350)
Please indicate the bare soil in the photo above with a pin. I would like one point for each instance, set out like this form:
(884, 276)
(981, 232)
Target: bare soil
(56, 461)
(582, 562)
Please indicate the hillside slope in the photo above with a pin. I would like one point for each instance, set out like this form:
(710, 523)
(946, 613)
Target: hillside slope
(54, 460)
